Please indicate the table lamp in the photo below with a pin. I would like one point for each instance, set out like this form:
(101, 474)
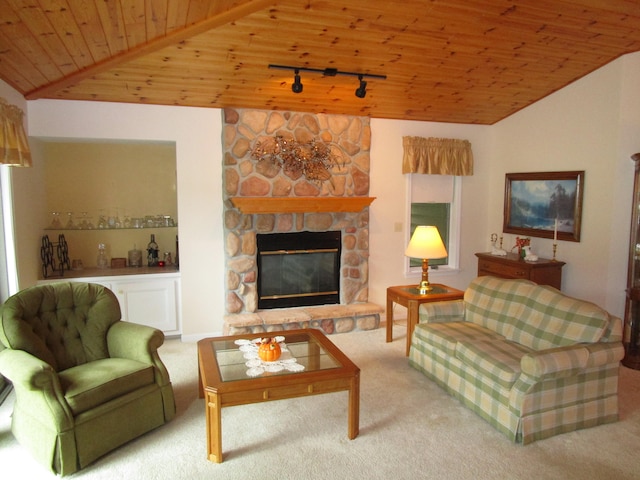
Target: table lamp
(426, 243)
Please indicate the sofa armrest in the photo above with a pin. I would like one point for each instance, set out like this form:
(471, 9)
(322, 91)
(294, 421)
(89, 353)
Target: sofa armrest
(438, 312)
(555, 362)
(604, 353)
(38, 386)
(138, 342)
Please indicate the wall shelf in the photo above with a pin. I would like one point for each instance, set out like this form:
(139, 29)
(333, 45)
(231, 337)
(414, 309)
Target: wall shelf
(249, 205)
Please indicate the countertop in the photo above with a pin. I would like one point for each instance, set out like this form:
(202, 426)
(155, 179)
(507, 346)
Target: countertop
(113, 272)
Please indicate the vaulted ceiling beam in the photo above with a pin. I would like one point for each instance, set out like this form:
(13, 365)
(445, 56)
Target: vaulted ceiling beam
(216, 20)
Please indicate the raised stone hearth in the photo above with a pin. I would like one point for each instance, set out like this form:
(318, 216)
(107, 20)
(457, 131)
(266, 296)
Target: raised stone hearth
(328, 318)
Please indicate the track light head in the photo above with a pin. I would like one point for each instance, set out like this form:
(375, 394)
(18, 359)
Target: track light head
(361, 91)
(296, 86)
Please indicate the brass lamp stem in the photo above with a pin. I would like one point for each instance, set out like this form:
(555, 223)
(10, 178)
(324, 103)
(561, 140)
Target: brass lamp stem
(424, 284)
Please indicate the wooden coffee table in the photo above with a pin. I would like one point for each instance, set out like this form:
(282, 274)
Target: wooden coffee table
(409, 296)
(224, 381)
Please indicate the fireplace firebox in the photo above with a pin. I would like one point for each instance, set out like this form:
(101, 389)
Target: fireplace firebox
(298, 269)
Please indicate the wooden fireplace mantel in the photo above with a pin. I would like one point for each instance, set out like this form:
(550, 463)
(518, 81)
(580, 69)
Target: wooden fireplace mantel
(300, 204)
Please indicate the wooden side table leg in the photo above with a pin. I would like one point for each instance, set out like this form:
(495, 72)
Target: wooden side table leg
(214, 428)
(412, 321)
(389, 318)
(354, 407)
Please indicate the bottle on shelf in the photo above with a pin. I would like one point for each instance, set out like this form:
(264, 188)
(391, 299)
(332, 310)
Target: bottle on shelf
(152, 252)
(101, 261)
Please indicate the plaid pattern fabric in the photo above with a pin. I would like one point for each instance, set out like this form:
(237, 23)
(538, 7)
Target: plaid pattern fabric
(527, 393)
(498, 360)
(492, 302)
(451, 311)
(445, 336)
(550, 319)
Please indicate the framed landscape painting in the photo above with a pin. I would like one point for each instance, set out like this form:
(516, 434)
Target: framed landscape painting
(544, 204)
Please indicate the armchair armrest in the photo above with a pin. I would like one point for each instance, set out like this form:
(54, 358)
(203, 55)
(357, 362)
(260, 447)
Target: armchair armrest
(445, 311)
(138, 342)
(555, 362)
(38, 386)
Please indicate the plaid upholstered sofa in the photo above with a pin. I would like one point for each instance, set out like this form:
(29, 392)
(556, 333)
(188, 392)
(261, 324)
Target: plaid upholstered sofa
(529, 360)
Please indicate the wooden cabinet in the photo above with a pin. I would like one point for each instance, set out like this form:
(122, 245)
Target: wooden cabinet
(152, 302)
(631, 337)
(151, 299)
(543, 272)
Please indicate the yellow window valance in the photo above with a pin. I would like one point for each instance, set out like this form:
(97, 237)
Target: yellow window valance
(14, 147)
(437, 156)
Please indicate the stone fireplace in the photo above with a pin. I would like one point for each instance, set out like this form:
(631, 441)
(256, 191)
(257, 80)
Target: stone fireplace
(259, 198)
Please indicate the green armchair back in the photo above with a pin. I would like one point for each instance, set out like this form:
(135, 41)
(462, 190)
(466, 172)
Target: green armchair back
(85, 381)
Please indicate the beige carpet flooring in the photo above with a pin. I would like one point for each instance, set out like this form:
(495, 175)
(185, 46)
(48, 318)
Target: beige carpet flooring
(409, 429)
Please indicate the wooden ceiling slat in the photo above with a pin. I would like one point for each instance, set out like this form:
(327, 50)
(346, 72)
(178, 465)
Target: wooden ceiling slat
(61, 17)
(44, 34)
(156, 18)
(112, 20)
(177, 14)
(134, 19)
(88, 20)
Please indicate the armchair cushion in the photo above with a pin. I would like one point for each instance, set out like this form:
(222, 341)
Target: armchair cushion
(91, 384)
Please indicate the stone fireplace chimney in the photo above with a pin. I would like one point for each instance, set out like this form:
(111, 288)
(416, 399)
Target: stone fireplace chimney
(246, 179)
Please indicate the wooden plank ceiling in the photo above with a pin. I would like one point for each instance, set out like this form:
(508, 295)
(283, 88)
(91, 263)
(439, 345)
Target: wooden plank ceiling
(463, 61)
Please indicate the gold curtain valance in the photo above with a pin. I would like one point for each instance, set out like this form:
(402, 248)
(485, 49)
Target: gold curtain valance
(14, 147)
(437, 156)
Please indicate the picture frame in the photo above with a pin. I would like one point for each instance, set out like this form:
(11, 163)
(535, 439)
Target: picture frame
(533, 202)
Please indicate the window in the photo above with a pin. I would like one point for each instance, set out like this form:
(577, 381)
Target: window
(431, 214)
(435, 200)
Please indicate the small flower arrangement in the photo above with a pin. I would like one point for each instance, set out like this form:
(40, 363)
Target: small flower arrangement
(520, 244)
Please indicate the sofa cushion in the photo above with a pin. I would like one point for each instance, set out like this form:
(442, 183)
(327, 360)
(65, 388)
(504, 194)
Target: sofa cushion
(495, 302)
(95, 383)
(446, 336)
(550, 319)
(496, 359)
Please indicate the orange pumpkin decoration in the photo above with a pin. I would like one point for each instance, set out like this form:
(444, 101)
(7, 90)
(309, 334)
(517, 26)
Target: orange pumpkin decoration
(269, 350)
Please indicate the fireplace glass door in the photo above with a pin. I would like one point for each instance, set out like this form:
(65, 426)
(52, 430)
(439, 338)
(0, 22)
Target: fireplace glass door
(298, 269)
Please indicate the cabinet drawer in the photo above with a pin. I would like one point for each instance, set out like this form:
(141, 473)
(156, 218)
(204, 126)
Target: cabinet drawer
(501, 270)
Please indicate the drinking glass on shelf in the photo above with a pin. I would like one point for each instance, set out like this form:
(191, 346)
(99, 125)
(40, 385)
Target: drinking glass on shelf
(84, 223)
(70, 225)
(55, 220)
(102, 219)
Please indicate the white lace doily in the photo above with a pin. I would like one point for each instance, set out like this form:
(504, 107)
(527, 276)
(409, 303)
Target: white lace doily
(257, 366)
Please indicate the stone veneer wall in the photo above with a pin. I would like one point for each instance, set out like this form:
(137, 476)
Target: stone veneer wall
(243, 176)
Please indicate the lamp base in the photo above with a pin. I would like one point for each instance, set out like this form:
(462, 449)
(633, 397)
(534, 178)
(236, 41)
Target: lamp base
(424, 287)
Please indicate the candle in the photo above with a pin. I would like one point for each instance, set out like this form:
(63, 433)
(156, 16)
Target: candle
(555, 231)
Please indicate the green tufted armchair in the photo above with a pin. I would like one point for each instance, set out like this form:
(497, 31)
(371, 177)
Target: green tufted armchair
(85, 382)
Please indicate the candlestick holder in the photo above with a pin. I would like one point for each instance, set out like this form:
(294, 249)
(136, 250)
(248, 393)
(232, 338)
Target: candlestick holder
(555, 247)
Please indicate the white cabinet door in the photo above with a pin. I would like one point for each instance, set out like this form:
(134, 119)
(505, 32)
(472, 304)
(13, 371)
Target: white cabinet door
(152, 302)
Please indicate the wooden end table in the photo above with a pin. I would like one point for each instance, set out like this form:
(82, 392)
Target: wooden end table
(410, 297)
(224, 381)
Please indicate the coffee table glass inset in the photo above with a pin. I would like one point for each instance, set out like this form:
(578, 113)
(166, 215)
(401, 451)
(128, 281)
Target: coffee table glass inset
(225, 382)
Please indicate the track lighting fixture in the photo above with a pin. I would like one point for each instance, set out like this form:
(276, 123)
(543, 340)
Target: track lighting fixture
(296, 86)
(361, 91)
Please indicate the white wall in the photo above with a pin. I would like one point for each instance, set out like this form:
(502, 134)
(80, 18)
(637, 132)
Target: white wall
(590, 125)
(197, 133)
(389, 186)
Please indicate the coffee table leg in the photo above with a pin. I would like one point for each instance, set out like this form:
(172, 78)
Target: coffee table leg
(354, 407)
(214, 428)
